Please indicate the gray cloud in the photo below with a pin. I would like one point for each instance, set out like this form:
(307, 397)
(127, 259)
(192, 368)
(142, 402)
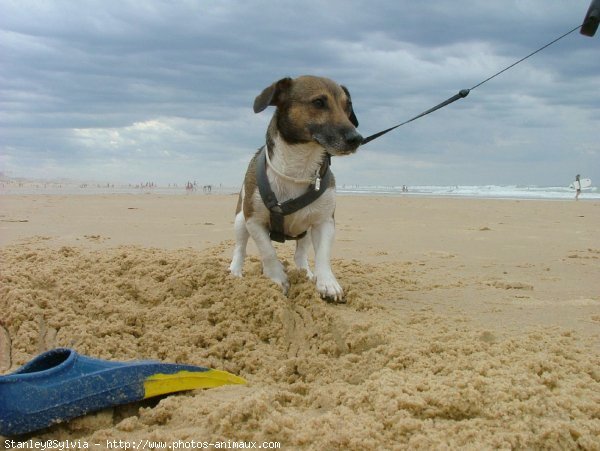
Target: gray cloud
(163, 90)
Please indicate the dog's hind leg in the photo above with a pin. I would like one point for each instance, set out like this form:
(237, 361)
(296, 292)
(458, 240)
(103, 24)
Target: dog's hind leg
(301, 255)
(241, 241)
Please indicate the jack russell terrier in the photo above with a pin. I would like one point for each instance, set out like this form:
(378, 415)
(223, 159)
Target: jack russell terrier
(289, 190)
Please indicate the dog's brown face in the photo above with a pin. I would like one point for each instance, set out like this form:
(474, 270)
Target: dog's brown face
(313, 109)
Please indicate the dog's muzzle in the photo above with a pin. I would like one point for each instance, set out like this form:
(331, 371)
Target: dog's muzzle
(353, 138)
(342, 142)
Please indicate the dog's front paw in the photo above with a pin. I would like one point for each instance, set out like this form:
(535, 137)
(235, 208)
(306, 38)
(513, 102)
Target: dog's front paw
(329, 288)
(237, 263)
(275, 272)
(235, 270)
(309, 274)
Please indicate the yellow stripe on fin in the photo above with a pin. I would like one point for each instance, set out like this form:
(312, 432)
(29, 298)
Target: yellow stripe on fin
(160, 384)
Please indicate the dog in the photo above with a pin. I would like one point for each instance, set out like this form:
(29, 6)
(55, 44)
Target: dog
(314, 120)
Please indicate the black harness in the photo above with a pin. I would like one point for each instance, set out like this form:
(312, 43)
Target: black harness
(278, 210)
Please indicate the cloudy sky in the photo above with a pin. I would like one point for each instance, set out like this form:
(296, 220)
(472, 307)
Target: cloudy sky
(131, 91)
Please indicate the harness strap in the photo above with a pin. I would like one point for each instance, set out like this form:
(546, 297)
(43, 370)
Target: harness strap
(279, 210)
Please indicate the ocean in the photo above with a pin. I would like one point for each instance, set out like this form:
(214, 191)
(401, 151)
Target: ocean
(461, 191)
(478, 191)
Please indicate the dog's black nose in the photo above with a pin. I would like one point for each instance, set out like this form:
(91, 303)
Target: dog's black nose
(353, 138)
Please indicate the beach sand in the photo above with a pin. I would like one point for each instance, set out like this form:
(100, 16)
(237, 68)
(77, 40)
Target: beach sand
(471, 324)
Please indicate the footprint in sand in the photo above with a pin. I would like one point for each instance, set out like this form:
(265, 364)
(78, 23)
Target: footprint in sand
(5, 348)
(46, 337)
(510, 285)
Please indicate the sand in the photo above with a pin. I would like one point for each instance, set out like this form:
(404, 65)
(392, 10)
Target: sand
(468, 324)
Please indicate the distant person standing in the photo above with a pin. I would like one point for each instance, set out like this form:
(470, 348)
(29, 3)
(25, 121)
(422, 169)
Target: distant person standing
(577, 186)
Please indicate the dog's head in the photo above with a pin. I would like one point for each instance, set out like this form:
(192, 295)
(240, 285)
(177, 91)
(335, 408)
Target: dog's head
(313, 109)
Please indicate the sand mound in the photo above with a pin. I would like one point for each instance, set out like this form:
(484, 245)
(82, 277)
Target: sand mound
(353, 376)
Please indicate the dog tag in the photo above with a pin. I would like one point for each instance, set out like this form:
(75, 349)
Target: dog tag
(318, 184)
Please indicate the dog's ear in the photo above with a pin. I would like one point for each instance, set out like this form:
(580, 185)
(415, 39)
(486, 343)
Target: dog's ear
(351, 116)
(271, 95)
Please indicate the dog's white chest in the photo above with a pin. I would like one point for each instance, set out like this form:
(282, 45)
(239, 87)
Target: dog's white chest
(291, 172)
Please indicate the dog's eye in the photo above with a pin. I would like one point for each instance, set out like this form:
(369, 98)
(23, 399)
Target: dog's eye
(319, 103)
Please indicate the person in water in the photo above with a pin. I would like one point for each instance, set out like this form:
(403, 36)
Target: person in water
(577, 186)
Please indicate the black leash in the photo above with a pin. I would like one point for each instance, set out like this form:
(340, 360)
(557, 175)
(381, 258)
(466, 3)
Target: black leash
(464, 92)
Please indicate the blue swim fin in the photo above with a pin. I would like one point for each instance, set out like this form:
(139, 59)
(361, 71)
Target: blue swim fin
(61, 384)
